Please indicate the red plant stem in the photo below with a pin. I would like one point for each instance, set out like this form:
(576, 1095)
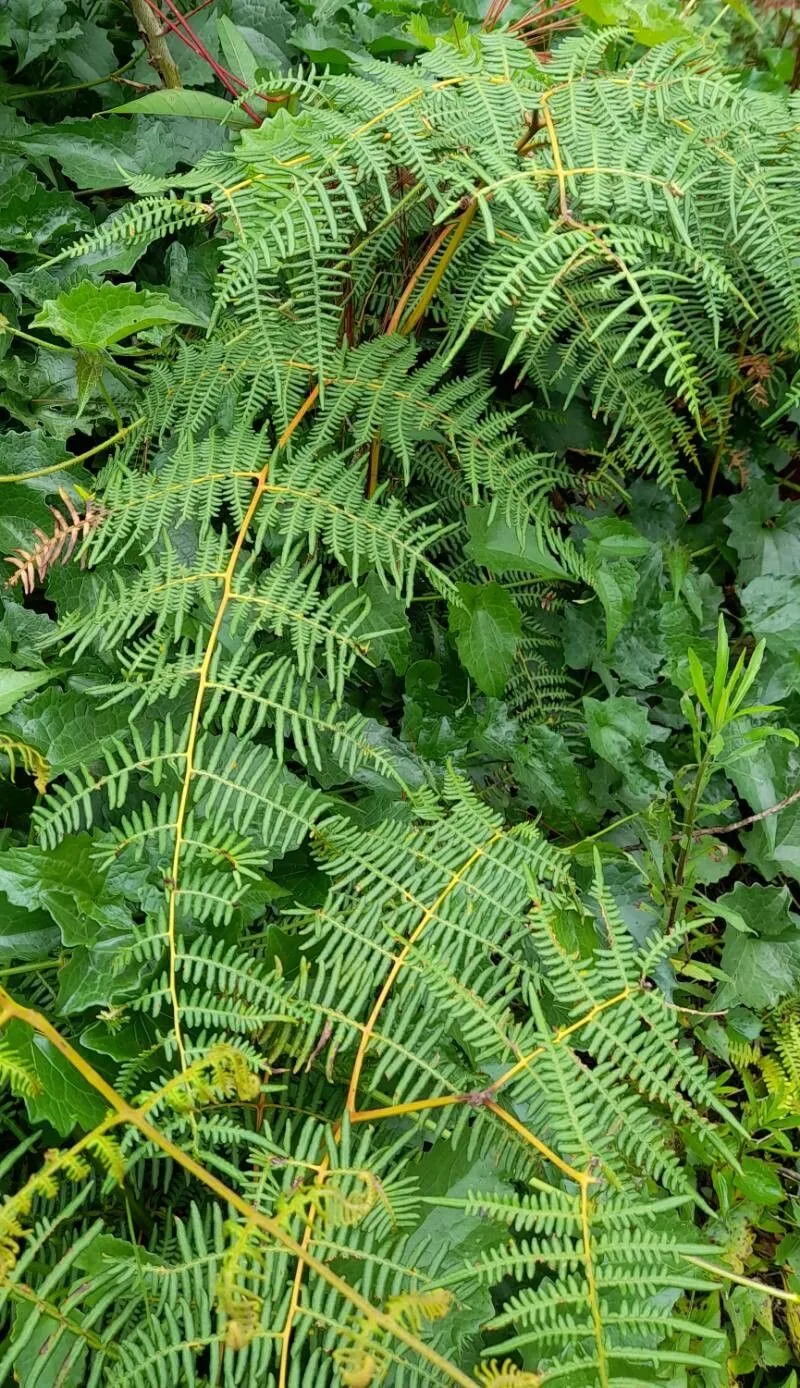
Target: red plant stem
(183, 30)
(536, 16)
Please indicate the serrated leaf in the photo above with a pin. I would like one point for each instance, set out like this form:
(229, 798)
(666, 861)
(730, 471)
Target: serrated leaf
(616, 586)
(65, 1099)
(113, 150)
(35, 27)
(65, 882)
(763, 966)
(32, 216)
(95, 316)
(487, 628)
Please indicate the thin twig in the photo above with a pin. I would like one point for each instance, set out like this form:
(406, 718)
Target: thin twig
(741, 823)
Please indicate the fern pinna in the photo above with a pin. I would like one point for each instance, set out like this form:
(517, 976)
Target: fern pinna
(440, 996)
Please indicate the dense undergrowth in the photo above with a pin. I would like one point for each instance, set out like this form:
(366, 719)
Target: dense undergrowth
(399, 684)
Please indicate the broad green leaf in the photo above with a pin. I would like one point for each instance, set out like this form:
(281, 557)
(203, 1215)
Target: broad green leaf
(90, 56)
(711, 859)
(113, 151)
(66, 726)
(650, 21)
(759, 1181)
(32, 216)
(613, 538)
(15, 684)
(65, 882)
(763, 966)
(326, 45)
(765, 532)
(36, 27)
(26, 934)
(773, 611)
(192, 278)
(95, 316)
(182, 101)
(496, 546)
(773, 843)
(487, 628)
(620, 733)
(448, 1237)
(65, 1099)
(616, 586)
(387, 615)
(553, 781)
(94, 978)
(616, 727)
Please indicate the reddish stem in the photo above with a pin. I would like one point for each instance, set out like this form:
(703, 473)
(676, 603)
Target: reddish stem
(183, 30)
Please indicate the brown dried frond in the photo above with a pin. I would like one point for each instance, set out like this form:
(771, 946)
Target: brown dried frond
(757, 369)
(737, 464)
(47, 550)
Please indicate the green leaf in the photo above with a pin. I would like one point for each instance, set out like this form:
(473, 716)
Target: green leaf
(763, 966)
(113, 150)
(616, 586)
(183, 101)
(32, 216)
(760, 1182)
(620, 733)
(387, 615)
(66, 726)
(92, 977)
(65, 1099)
(65, 882)
(617, 727)
(95, 316)
(238, 54)
(765, 532)
(90, 56)
(192, 279)
(496, 546)
(450, 1238)
(773, 844)
(650, 21)
(35, 27)
(552, 780)
(15, 684)
(487, 628)
(773, 610)
(26, 934)
(610, 537)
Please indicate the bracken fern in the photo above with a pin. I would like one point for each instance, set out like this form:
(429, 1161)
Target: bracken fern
(564, 219)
